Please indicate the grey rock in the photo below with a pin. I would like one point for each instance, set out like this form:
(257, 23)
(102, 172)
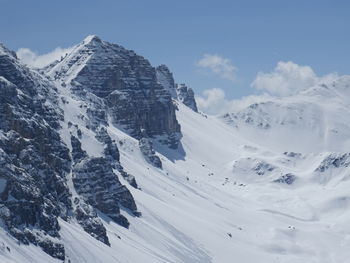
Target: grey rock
(166, 79)
(95, 180)
(186, 96)
(262, 167)
(91, 223)
(111, 152)
(148, 152)
(111, 149)
(77, 153)
(286, 179)
(334, 160)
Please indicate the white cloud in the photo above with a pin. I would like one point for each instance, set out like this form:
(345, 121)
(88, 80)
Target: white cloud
(286, 79)
(32, 59)
(219, 65)
(214, 102)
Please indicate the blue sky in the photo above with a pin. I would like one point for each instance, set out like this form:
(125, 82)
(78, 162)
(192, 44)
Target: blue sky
(248, 36)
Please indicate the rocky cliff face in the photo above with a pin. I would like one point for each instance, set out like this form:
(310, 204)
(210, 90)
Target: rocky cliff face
(34, 160)
(166, 79)
(186, 96)
(125, 85)
(178, 92)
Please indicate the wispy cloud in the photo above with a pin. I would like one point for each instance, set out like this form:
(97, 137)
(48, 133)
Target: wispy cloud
(32, 59)
(288, 78)
(214, 101)
(218, 65)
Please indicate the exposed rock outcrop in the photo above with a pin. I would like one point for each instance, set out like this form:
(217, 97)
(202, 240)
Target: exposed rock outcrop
(88, 219)
(148, 152)
(334, 160)
(186, 96)
(286, 179)
(111, 152)
(77, 153)
(166, 79)
(95, 180)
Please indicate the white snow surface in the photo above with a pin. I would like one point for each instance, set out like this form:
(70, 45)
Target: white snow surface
(215, 199)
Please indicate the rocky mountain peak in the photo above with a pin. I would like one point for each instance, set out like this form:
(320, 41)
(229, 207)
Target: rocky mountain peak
(49, 120)
(92, 39)
(125, 83)
(36, 163)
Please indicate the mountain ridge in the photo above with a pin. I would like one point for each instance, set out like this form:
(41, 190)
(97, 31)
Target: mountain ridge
(83, 181)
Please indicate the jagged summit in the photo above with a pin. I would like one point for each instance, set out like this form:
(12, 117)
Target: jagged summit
(126, 84)
(91, 39)
(5, 51)
(95, 43)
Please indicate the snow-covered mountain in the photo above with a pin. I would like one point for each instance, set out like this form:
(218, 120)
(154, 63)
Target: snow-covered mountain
(104, 158)
(313, 120)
